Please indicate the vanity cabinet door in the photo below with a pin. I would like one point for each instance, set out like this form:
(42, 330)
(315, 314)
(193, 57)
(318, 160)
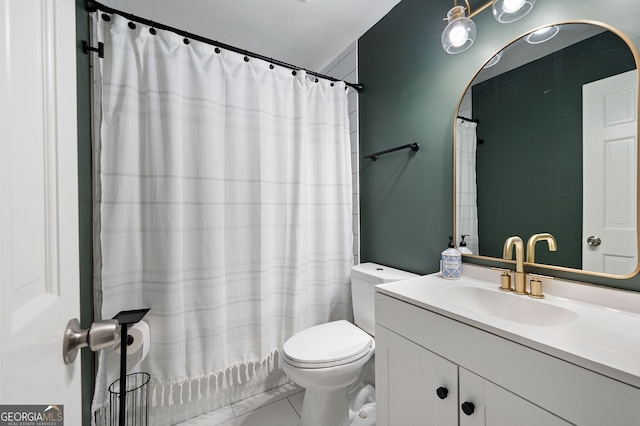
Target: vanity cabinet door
(483, 403)
(414, 386)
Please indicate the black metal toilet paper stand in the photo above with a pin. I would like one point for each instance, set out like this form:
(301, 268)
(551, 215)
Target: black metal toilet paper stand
(126, 318)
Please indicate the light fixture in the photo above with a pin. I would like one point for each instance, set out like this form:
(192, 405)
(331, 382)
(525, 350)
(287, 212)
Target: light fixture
(543, 34)
(506, 11)
(460, 32)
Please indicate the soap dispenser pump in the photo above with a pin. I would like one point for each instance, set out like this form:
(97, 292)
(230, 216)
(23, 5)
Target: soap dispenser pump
(451, 262)
(463, 246)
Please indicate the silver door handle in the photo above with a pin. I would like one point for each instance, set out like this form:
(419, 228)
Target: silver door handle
(102, 335)
(594, 241)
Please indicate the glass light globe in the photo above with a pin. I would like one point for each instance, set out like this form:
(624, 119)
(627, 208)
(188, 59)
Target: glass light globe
(543, 34)
(506, 11)
(511, 6)
(494, 60)
(460, 33)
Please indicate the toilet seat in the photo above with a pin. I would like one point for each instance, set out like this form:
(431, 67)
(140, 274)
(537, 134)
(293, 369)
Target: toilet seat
(327, 345)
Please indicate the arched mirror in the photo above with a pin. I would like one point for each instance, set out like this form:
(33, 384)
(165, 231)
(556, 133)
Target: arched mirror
(546, 141)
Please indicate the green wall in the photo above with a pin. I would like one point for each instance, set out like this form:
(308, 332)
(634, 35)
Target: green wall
(531, 121)
(412, 91)
(405, 197)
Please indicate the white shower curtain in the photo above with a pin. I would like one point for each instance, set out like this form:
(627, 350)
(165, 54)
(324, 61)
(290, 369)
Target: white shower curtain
(224, 205)
(466, 189)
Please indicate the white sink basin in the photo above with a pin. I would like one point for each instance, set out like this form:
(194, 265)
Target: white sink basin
(508, 306)
(591, 326)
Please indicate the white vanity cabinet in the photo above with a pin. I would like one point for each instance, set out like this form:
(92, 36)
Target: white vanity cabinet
(419, 351)
(414, 386)
(495, 406)
(417, 387)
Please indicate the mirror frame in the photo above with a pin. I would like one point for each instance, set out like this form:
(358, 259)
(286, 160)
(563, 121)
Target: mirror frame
(484, 260)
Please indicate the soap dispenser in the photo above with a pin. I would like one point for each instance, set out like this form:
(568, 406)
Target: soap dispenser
(451, 262)
(463, 246)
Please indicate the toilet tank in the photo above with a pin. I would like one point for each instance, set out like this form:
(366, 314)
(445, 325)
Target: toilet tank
(363, 279)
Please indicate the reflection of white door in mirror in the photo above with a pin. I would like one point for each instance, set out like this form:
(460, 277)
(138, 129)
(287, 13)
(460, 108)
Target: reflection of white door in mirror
(610, 175)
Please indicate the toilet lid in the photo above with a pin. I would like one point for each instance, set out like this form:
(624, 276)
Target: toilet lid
(333, 343)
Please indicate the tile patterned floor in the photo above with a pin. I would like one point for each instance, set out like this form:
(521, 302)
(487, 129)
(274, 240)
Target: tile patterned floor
(277, 407)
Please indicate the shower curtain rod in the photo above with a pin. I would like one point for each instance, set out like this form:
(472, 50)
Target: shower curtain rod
(468, 119)
(94, 6)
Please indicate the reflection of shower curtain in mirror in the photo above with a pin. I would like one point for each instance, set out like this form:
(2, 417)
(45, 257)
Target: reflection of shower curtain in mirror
(466, 191)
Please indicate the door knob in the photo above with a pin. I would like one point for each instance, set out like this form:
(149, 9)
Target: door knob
(594, 241)
(101, 335)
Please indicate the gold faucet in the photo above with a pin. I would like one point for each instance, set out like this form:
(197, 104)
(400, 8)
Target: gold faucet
(531, 245)
(507, 252)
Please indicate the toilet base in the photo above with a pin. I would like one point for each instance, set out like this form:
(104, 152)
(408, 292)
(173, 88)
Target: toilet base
(325, 408)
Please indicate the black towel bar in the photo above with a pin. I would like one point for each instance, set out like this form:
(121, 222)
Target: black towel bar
(414, 147)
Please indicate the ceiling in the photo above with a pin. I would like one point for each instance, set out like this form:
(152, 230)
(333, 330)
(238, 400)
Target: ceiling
(305, 33)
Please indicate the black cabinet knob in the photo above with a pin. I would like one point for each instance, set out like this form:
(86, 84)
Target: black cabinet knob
(468, 408)
(442, 392)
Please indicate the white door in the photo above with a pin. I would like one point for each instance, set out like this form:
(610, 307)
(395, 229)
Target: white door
(38, 204)
(610, 125)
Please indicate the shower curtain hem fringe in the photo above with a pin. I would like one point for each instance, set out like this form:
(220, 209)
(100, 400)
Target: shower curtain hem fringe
(228, 379)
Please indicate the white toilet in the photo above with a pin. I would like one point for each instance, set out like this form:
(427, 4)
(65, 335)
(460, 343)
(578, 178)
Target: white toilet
(327, 358)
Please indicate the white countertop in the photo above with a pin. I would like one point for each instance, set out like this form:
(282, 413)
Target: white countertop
(601, 332)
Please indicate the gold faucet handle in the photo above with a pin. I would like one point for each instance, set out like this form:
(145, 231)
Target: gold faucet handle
(535, 285)
(505, 279)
